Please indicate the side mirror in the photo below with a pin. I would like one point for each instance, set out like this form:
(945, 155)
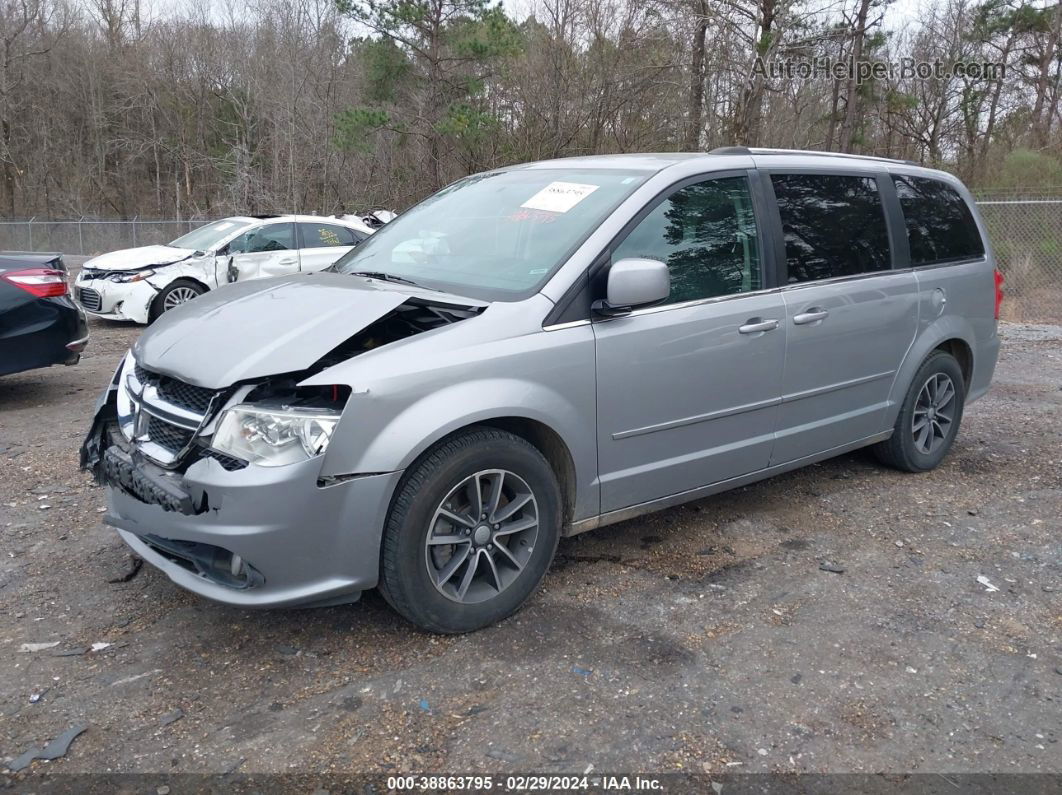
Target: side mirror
(634, 282)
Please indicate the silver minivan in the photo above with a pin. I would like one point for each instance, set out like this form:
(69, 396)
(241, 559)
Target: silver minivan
(538, 351)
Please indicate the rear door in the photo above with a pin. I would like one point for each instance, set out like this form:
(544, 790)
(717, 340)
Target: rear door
(266, 250)
(850, 318)
(321, 243)
(689, 391)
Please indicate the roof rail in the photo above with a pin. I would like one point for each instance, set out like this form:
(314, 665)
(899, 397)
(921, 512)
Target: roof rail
(765, 151)
(731, 150)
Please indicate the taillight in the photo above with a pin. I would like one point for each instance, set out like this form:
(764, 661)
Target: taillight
(42, 282)
(999, 291)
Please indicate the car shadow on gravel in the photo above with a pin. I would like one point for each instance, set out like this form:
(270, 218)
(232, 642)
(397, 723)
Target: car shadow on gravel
(38, 388)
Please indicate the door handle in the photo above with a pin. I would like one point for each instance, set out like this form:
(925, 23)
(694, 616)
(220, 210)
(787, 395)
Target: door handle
(813, 315)
(755, 325)
(287, 260)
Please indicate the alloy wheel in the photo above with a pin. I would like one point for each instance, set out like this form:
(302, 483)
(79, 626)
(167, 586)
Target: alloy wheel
(481, 536)
(178, 296)
(934, 413)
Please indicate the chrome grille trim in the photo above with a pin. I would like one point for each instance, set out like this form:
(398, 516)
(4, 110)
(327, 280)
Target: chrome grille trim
(161, 429)
(168, 412)
(175, 394)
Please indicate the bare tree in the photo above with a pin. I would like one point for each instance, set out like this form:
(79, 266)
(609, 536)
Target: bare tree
(278, 105)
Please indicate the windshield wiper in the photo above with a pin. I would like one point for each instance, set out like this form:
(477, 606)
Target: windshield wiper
(387, 277)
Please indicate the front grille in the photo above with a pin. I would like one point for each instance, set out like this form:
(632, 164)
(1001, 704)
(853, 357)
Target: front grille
(173, 412)
(187, 396)
(173, 390)
(228, 462)
(144, 376)
(90, 299)
(171, 437)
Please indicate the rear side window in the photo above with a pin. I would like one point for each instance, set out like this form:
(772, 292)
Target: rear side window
(834, 225)
(706, 233)
(940, 227)
(327, 235)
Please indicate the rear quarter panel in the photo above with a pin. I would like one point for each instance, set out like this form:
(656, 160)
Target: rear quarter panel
(967, 314)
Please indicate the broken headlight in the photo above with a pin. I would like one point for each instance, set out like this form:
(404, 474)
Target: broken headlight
(125, 277)
(273, 437)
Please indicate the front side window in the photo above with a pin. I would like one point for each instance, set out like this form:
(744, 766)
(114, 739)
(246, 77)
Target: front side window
(271, 237)
(326, 236)
(940, 226)
(497, 236)
(834, 225)
(706, 234)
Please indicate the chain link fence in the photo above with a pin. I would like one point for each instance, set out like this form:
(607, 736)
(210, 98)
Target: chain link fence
(1027, 237)
(90, 236)
(1026, 234)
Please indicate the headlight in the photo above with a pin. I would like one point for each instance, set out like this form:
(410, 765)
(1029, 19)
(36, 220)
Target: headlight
(135, 276)
(125, 408)
(273, 437)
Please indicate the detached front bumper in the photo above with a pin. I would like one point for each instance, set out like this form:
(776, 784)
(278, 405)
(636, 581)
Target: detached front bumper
(297, 543)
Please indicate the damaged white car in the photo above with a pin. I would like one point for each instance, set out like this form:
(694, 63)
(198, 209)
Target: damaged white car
(139, 284)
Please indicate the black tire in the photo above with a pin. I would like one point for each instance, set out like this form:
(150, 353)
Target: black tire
(902, 450)
(158, 306)
(408, 582)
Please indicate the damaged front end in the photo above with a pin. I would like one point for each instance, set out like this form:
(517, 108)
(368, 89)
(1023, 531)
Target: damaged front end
(116, 295)
(209, 439)
(118, 287)
(150, 428)
(145, 434)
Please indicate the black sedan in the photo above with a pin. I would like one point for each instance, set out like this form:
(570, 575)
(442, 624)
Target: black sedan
(40, 324)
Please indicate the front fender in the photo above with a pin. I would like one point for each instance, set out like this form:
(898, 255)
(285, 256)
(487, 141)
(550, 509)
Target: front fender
(200, 270)
(419, 426)
(408, 395)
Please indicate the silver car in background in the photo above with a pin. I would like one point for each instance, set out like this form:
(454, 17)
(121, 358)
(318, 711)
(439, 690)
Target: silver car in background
(538, 351)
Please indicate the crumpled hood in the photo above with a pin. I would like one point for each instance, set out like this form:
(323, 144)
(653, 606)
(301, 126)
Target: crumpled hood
(142, 257)
(265, 327)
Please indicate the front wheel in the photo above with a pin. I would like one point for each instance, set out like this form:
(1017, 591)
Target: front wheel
(929, 418)
(173, 295)
(471, 533)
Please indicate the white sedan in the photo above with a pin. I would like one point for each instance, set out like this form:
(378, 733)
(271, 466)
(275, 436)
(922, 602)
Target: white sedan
(139, 284)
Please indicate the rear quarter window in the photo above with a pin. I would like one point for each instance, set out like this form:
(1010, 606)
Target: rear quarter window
(327, 236)
(940, 226)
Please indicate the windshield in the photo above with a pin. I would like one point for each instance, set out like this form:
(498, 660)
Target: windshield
(207, 237)
(495, 236)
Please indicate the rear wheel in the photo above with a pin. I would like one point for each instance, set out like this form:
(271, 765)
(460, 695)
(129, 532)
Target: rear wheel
(929, 418)
(173, 295)
(471, 533)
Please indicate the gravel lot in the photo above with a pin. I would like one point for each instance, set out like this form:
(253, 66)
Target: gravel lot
(704, 638)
